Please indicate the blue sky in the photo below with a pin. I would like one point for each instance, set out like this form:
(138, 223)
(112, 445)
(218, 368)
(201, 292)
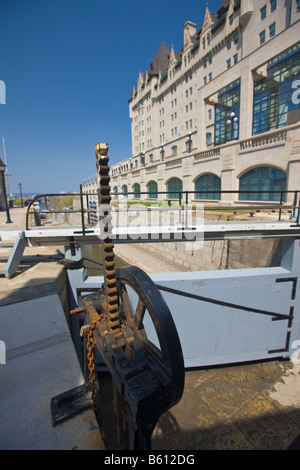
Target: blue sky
(69, 67)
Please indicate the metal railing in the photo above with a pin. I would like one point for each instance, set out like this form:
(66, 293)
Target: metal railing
(183, 198)
(89, 203)
(89, 210)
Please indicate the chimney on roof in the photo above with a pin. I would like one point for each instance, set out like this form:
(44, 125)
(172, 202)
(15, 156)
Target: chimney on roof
(189, 30)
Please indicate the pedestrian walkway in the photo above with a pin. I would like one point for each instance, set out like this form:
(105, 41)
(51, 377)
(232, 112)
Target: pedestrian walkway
(17, 217)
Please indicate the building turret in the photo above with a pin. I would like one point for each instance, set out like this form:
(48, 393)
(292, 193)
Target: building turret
(246, 11)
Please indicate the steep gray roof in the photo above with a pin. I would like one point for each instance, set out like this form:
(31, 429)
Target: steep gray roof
(160, 61)
(222, 8)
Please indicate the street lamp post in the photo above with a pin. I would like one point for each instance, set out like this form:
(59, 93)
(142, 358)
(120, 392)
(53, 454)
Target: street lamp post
(21, 197)
(232, 120)
(2, 171)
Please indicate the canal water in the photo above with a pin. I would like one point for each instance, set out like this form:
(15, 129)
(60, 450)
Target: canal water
(93, 259)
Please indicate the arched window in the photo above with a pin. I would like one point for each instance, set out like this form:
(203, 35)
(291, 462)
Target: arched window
(209, 187)
(116, 192)
(174, 187)
(137, 190)
(260, 182)
(152, 190)
(124, 190)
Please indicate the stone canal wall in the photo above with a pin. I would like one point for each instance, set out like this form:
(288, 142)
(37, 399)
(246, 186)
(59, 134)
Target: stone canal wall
(214, 255)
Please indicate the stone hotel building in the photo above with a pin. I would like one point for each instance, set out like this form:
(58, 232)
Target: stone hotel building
(222, 113)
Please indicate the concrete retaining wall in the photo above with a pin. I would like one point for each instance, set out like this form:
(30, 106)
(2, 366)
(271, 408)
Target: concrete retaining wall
(214, 255)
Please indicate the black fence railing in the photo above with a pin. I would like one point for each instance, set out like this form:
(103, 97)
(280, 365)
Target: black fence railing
(181, 198)
(45, 199)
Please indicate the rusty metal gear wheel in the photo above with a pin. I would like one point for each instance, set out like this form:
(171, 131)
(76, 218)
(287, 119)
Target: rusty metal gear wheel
(139, 297)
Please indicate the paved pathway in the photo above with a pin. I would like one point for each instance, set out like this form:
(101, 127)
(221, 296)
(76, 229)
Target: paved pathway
(17, 216)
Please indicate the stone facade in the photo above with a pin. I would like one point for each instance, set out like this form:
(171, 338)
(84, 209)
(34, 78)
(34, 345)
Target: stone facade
(221, 114)
(204, 117)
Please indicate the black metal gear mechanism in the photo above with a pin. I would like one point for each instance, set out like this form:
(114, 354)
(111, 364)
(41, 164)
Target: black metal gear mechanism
(147, 369)
(168, 352)
(131, 326)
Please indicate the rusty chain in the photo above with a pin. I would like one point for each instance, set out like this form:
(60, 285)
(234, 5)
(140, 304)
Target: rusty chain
(90, 346)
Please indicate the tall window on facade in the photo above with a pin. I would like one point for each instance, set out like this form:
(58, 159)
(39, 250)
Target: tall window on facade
(115, 191)
(137, 191)
(273, 5)
(174, 188)
(262, 37)
(189, 144)
(152, 190)
(124, 190)
(227, 114)
(273, 103)
(260, 183)
(208, 138)
(209, 187)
